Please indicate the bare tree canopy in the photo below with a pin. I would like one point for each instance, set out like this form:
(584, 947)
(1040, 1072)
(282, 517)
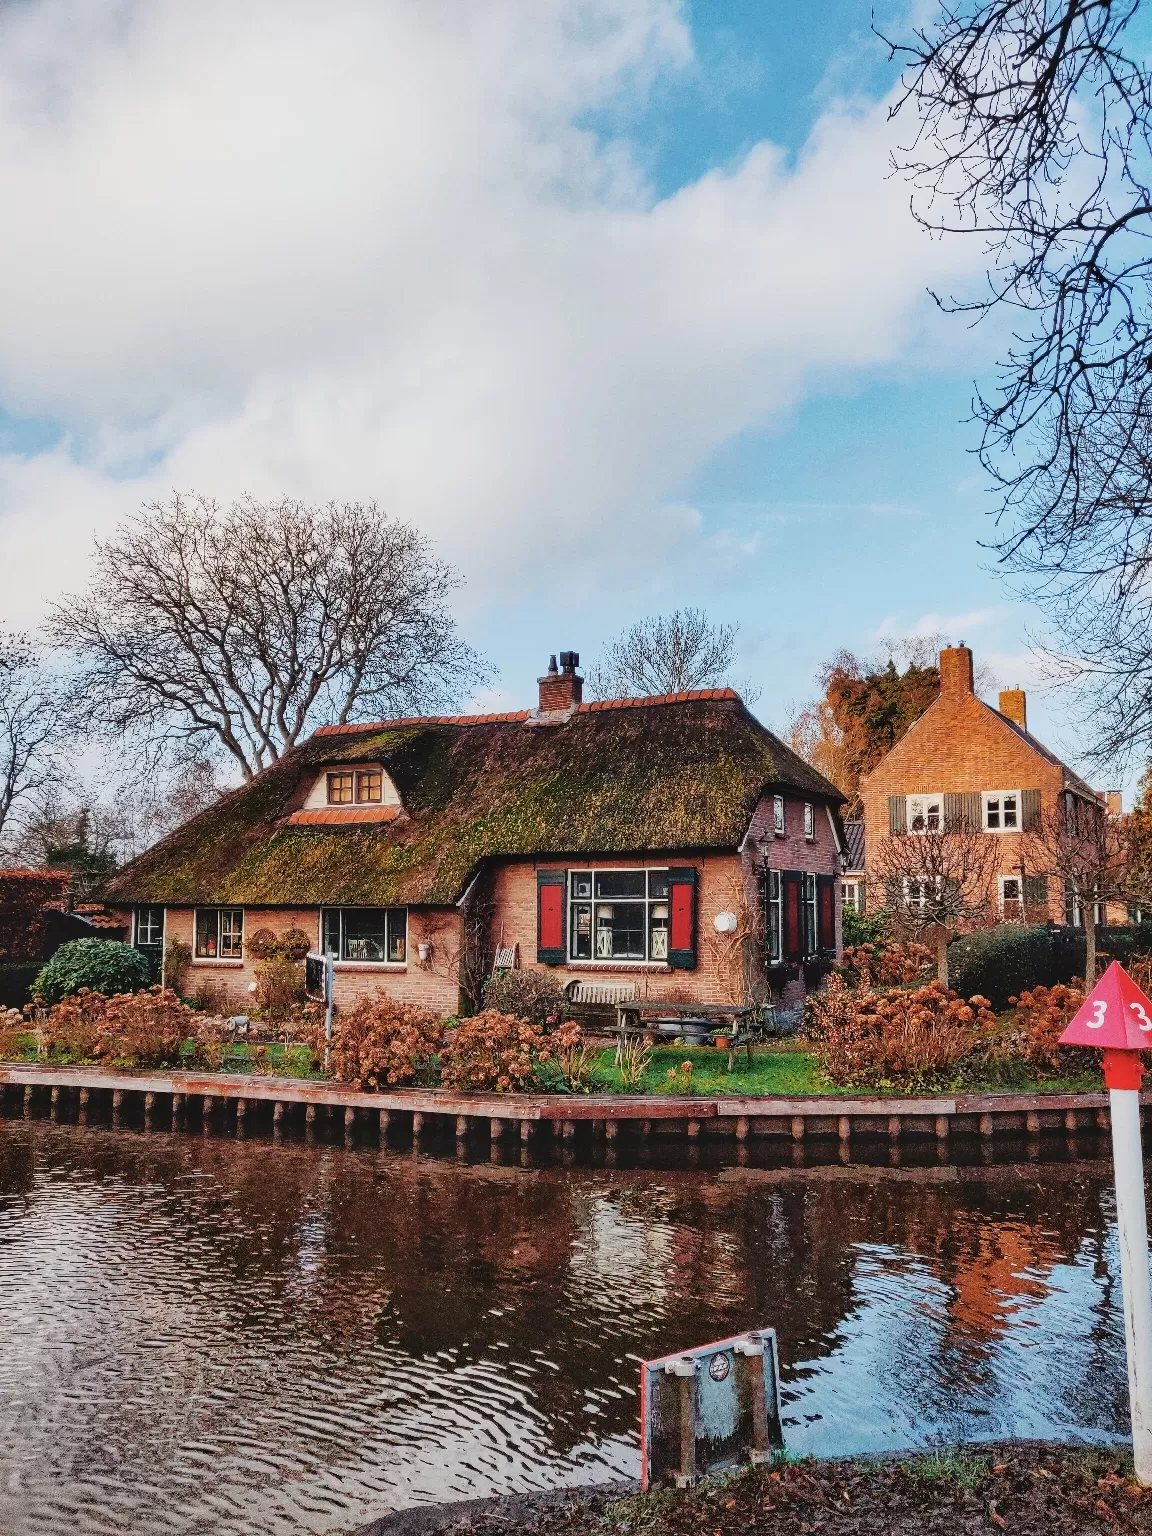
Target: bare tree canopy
(1035, 134)
(937, 885)
(30, 728)
(669, 653)
(238, 632)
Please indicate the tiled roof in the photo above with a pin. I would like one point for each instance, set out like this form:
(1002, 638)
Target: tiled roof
(854, 845)
(344, 816)
(1072, 780)
(622, 777)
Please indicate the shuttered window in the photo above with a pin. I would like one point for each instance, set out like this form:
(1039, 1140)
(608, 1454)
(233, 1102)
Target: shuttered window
(551, 885)
(793, 934)
(682, 946)
(826, 913)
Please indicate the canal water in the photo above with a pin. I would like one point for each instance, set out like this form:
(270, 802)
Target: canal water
(231, 1336)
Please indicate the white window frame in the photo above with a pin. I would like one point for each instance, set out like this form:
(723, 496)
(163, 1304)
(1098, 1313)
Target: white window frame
(151, 906)
(999, 796)
(652, 955)
(778, 815)
(216, 959)
(810, 916)
(919, 903)
(809, 821)
(911, 802)
(340, 959)
(1002, 881)
(775, 917)
(852, 895)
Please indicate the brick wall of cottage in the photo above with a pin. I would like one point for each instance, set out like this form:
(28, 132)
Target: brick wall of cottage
(726, 882)
(960, 746)
(435, 984)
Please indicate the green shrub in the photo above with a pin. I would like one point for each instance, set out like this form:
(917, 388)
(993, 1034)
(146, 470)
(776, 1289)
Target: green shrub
(101, 965)
(16, 982)
(1123, 943)
(1001, 962)
(863, 927)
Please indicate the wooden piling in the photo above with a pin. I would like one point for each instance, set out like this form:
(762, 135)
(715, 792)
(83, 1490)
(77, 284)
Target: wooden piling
(568, 1130)
(798, 1127)
(844, 1128)
(612, 1129)
(383, 1117)
(1032, 1123)
(417, 1125)
(27, 1100)
(895, 1125)
(943, 1127)
(349, 1116)
(986, 1125)
(742, 1127)
(310, 1115)
(461, 1127)
(177, 1109)
(693, 1129)
(54, 1112)
(1071, 1120)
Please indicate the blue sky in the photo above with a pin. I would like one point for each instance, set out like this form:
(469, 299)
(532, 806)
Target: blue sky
(616, 299)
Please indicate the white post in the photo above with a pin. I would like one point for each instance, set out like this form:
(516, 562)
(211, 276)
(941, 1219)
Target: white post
(330, 987)
(1132, 1223)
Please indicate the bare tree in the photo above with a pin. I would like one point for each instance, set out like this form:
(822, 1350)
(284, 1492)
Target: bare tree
(669, 653)
(1091, 854)
(238, 632)
(936, 885)
(1035, 134)
(30, 728)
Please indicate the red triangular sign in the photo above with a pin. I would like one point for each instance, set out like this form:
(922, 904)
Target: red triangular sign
(1115, 1016)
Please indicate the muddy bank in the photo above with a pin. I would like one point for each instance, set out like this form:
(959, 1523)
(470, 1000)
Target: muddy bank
(1029, 1490)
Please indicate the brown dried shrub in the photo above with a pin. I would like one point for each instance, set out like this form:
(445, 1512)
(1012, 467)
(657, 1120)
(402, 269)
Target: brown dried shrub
(495, 1052)
(1033, 1035)
(381, 1043)
(901, 1038)
(279, 986)
(886, 963)
(146, 1029)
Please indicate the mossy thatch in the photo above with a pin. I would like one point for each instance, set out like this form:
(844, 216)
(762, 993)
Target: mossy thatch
(650, 778)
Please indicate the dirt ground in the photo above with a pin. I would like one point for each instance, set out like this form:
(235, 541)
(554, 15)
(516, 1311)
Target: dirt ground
(1031, 1490)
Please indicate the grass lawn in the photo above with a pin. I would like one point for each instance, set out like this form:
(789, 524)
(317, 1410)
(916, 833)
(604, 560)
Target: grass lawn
(786, 1070)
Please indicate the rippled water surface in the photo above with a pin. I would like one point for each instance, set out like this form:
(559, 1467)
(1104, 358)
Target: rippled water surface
(229, 1336)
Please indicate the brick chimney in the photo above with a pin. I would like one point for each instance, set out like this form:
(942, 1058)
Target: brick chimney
(1014, 704)
(956, 671)
(563, 690)
(1114, 802)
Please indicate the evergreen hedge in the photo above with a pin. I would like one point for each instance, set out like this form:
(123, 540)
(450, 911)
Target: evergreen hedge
(1001, 962)
(101, 965)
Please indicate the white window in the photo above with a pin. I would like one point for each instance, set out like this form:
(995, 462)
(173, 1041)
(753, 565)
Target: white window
(775, 925)
(810, 914)
(1001, 810)
(619, 914)
(778, 815)
(149, 928)
(371, 935)
(919, 895)
(809, 821)
(1011, 899)
(925, 813)
(219, 933)
(852, 894)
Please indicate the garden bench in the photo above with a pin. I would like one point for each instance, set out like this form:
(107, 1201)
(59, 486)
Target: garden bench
(598, 999)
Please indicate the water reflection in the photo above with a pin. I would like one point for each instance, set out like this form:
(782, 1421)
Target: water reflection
(244, 1337)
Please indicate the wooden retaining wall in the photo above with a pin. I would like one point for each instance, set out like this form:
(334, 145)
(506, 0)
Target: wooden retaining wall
(179, 1099)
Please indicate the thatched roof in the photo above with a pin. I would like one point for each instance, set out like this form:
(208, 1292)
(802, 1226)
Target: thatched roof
(663, 775)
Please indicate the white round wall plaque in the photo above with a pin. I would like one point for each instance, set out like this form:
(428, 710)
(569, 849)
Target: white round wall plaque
(725, 922)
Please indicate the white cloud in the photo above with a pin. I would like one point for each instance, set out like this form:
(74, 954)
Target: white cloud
(367, 249)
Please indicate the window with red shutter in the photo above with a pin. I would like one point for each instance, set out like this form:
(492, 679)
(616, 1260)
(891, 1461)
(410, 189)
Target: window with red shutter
(793, 937)
(682, 938)
(551, 888)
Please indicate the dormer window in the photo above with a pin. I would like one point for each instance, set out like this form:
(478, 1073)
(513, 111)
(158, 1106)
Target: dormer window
(361, 786)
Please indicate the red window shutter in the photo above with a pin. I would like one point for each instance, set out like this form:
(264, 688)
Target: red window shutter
(792, 882)
(682, 921)
(551, 888)
(826, 939)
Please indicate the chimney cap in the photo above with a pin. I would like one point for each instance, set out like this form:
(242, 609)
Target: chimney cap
(569, 660)
(551, 666)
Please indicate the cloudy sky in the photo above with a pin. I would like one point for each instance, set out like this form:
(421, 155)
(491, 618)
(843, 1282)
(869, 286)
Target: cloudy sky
(616, 299)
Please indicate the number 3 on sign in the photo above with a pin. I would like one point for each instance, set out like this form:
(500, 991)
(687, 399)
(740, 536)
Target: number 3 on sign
(1101, 1009)
(1138, 1010)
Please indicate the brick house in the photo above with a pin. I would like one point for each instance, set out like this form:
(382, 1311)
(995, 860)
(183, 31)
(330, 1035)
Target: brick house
(644, 838)
(965, 762)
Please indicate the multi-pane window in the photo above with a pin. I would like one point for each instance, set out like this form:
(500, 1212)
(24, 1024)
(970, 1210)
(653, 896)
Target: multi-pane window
(219, 933)
(362, 786)
(149, 927)
(925, 813)
(775, 917)
(618, 914)
(852, 894)
(809, 910)
(375, 934)
(1011, 898)
(809, 821)
(778, 815)
(1002, 810)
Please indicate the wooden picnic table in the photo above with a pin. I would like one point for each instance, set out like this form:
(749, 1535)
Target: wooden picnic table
(741, 1031)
